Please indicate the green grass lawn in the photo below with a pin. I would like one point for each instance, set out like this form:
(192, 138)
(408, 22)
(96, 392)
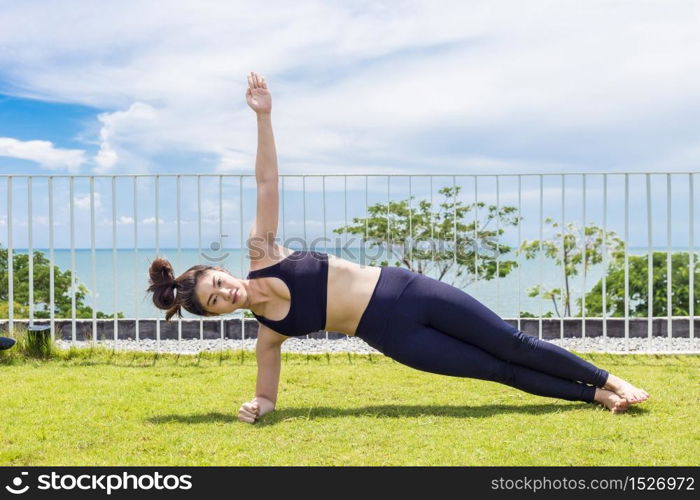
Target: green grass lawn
(104, 408)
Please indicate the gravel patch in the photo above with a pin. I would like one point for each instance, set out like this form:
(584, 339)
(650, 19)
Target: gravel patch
(657, 345)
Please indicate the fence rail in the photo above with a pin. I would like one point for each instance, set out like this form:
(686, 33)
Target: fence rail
(360, 185)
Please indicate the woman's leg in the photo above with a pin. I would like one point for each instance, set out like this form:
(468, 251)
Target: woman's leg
(427, 349)
(387, 326)
(456, 313)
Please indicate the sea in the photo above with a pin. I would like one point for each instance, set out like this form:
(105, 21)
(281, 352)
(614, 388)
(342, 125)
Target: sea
(118, 279)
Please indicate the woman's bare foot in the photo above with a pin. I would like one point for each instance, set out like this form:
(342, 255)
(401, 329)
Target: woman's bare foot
(625, 390)
(612, 401)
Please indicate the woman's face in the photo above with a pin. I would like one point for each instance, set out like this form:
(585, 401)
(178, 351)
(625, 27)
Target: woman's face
(220, 293)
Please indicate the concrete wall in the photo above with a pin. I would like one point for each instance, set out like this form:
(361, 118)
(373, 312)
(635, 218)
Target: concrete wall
(211, 328)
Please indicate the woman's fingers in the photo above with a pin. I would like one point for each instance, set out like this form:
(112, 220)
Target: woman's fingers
(250, 409)
(245, 418)
(249, 412)
(256, 81)
(246, 415)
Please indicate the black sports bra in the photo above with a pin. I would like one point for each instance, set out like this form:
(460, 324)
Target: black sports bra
(305, 273)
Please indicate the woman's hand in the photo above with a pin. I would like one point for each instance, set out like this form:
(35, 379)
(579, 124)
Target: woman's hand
(257, 95)
(251, 411)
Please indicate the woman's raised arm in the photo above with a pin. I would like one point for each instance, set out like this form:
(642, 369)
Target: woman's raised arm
(264, 230)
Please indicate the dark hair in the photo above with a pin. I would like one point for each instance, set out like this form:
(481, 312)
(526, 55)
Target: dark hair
(163, 285)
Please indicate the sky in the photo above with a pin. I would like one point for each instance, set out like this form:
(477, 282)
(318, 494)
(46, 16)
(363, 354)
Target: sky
(398, 86)
(393, 87)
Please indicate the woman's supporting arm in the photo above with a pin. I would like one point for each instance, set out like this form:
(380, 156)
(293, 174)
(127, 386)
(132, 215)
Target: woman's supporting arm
(269, 359)
(268, 352)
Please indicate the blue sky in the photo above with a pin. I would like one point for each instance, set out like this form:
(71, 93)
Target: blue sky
(395, 87)
(400, 86)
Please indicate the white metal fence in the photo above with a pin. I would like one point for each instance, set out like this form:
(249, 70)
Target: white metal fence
(345, 187)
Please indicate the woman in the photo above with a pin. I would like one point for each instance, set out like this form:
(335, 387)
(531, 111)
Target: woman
(416, 320)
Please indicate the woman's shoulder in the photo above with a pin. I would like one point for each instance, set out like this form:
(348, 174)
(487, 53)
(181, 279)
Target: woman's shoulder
(269, 256)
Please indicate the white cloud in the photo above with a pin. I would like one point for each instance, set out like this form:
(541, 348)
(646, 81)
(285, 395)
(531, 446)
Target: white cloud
(152, 220)
(685, 157)
(44, 153)
(233, 161)
(106, 158)
(82, 202)
(210, 209)
(119, 129)
(370, 85)
(121, 220)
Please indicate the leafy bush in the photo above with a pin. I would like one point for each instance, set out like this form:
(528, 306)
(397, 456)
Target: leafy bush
(42, 299)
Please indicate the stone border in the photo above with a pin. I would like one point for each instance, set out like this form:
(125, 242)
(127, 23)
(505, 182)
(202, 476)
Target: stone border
(211, 328)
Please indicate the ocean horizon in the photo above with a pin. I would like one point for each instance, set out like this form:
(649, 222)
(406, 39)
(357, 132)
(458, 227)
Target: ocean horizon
(128, 276)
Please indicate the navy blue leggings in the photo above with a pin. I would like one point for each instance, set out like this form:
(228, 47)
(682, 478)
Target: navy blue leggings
(432, 326)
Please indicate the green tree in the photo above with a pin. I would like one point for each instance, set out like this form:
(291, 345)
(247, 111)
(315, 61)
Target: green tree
(41, 272)
(526, 314)
(571, 249)
(443, 241)
(639, 287)
(19, 310)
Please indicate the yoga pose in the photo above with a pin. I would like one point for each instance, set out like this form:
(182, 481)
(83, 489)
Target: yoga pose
(417, 320)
